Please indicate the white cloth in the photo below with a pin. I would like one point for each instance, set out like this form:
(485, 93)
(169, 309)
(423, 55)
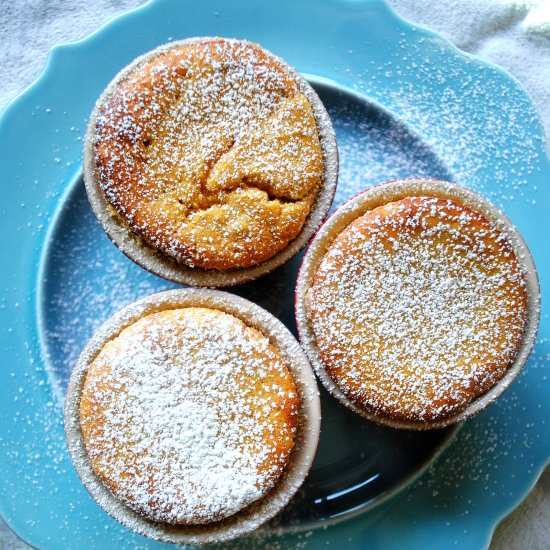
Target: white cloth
(512, 33)
(30, 28)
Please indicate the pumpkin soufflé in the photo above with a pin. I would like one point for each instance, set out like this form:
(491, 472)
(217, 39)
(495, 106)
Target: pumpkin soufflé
(210, 153)
(188, 415)
(418, 307)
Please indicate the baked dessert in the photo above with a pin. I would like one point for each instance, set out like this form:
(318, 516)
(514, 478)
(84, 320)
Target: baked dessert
(416, 306)
(188, 415)
(210, 152)
(192, 416)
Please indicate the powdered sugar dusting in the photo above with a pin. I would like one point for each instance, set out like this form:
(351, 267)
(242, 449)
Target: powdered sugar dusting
(204, 407)
(418, 307)
(396, 191)
(375, 147)
(253, 189)
(246, 386)
(478, 115)
(210, 153)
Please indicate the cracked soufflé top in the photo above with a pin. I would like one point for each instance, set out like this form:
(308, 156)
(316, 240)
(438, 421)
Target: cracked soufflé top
(418, 307)
(210, 154)
(189, 415)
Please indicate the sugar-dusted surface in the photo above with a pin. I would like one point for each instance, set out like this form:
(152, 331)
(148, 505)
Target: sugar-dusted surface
(348, 216)
(43, 501)
(210, 154)
(189, 415)
(213, 152)
(374, 146)
(418, 307)
(113, 333)
(88, 280)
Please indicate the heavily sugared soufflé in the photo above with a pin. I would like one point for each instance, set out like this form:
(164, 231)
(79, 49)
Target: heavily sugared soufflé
(188, 415)
(418, 307)
(210, 154)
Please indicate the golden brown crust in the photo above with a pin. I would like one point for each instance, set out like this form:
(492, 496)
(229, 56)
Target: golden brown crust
(188, 415)
(210, 154)
(418, 307)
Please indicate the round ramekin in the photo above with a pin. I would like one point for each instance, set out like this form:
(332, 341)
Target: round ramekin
(377, 196)
(164, 266)
(301, 456)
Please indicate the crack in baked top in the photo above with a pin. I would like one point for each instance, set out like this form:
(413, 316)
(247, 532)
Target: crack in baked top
(210, 154)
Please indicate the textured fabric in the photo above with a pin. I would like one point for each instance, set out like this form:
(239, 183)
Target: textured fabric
(512, 33)
(30, 28)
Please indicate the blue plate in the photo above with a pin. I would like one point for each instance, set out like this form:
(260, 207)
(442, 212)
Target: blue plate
(404, 103)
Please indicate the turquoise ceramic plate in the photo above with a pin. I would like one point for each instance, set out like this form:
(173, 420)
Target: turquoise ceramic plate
(404, 103)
